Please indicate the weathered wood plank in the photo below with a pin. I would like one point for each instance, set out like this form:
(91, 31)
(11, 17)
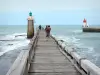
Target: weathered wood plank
(55, 73)
(49, 60)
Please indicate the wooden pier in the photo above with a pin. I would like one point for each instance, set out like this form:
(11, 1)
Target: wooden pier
(48, 59)
(45, 56)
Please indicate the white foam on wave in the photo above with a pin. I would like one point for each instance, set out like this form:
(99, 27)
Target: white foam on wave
(78, 31)
(82, 49)
(15, 36)
(15, 42)
(89, 53)
(19, 34)
(69, 39)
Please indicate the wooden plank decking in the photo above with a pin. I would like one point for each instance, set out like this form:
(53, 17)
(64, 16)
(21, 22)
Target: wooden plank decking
(49, 60)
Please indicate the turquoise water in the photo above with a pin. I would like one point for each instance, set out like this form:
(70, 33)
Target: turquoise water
(86, 44)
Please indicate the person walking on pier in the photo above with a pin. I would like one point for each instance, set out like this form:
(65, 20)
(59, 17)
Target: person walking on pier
(48, 29)
(39, 27)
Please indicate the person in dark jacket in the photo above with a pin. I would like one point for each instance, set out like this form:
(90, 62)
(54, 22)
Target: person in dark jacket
(40, 27)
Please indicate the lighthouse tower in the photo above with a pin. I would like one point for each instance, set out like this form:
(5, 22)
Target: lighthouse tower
(85, 23)
(30, 30)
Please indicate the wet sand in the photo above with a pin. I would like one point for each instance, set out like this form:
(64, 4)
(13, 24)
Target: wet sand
(8, 59)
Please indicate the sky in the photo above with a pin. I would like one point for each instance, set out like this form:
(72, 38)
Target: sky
(53, 12)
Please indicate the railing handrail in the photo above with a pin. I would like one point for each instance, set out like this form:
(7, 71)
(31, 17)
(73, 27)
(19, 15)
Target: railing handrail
(83, 65)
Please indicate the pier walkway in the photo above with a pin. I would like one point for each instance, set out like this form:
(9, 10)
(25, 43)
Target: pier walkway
(48, 59)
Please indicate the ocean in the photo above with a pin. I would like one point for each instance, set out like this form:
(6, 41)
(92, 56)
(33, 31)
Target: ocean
(85, 43)
(12, 37)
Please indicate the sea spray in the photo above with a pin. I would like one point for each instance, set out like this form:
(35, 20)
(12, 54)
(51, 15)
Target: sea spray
(12, 42)
(82, 50)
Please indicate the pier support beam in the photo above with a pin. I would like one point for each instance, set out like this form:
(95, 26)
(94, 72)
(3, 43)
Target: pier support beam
(30, 27)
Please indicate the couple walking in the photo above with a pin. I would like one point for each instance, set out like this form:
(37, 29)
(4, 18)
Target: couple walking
(48, 29)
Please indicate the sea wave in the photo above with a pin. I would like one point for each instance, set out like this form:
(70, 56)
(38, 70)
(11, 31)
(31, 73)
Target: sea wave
(12, 42)
(77, 31)
(81, 48)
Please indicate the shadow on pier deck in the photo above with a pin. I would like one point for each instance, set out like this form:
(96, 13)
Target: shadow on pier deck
(48, 59)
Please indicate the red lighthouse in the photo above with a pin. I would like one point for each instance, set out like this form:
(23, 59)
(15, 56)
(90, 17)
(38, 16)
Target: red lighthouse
(85, 23)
